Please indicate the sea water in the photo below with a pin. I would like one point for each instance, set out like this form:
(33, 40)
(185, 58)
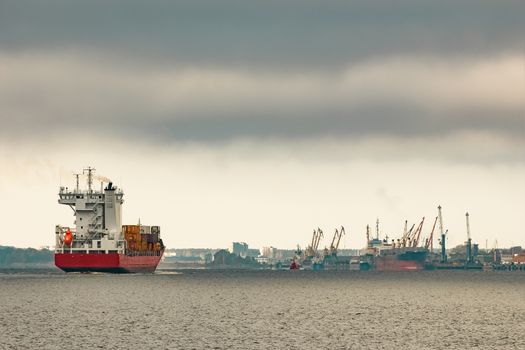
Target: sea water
(204, 309)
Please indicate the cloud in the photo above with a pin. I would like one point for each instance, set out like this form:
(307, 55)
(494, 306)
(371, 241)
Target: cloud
(285, 34)
(396, 97)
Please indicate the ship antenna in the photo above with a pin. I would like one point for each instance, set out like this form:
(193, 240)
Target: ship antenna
(78, 183)
(90, 172)
(377, 228)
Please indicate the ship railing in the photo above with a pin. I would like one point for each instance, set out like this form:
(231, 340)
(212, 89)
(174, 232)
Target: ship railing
(130, 252)
(64, 190)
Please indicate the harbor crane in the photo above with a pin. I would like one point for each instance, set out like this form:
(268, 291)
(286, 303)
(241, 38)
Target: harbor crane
(336, 240)
(406, 236)
(470, 257)
(311, 250)
(443, 237)
(417, 234)
(319, 236)
(430, 240)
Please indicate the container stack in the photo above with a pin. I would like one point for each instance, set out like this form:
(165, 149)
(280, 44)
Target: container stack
(142, 238)
(132, 236)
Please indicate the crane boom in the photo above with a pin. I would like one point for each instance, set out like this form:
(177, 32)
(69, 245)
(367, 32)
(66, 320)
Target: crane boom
(430, 241)
(440, 221)
(341, 233)
(417, 234)
(319, 235)
(336, 233)
(468, 227)
(409, 236)
(313, 239)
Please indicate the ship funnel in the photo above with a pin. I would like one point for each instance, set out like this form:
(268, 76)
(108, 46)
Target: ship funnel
(112, 210)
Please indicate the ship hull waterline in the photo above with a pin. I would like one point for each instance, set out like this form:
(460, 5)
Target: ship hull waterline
(109, 263)
(401, 261)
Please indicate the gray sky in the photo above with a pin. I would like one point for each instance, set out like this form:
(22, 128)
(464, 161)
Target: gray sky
(259, 121)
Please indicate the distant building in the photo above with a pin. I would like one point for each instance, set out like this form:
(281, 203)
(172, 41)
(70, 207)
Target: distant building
(269, 252)
(239, 248)
(253, 253)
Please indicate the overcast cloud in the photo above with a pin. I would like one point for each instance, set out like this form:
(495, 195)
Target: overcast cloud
(397, 88)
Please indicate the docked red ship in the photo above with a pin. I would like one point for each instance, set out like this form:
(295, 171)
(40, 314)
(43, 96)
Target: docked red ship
(403, 255)
(99, 242)
(401, 259)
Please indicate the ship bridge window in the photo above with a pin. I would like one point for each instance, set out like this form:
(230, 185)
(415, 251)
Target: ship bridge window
(98, 244)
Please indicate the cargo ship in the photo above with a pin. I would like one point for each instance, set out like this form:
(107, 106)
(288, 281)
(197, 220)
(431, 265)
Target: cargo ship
(403, 255)
(99, 242)
(401, 259)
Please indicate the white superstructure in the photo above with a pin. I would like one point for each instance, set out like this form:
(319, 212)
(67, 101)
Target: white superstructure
(98, 218)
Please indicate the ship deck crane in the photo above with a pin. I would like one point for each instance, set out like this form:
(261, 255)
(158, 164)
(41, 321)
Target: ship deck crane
(406, 237)
(417, 233)
(430, 240)
(405, 232)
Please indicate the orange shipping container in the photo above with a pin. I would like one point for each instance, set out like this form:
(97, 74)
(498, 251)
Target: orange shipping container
(519, 258)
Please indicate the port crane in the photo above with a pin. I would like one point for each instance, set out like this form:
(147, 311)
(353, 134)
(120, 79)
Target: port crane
(311, 250)
(443, 237)
(407, 235)
(336, 240)
(470, 257)
(417, 234)
(319, 236)
(430, 240)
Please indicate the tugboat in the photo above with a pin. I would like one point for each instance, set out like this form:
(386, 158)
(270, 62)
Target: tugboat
(294, 265)
(99, 242)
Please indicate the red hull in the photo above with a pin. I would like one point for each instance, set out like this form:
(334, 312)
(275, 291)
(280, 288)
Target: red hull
(111, 262)
(398, 265)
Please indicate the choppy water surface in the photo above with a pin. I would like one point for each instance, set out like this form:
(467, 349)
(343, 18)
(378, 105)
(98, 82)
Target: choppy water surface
(264, 310)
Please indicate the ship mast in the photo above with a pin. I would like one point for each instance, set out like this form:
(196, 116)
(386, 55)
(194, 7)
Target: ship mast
(89, 171)
(77, 189)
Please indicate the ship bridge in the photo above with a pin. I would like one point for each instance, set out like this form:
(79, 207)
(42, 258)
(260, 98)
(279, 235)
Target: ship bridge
(98, 213)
